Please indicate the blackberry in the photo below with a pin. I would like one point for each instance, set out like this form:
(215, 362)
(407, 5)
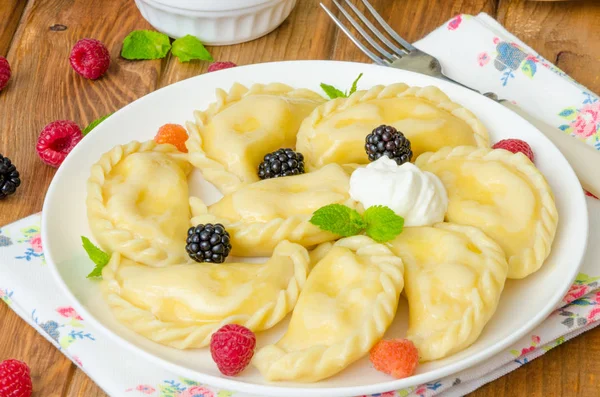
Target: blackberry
(282, 162)
(9, 178)
(208, 243)
(385, 140)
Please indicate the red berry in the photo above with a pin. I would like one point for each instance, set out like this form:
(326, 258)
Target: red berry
(90, 58)
(15, 379)
(213, 67)
(515, 146)
(396, 357)
(4, 72)
(57, 140)
(232, 348)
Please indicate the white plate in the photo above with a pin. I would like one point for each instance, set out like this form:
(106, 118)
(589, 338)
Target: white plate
(524, 303)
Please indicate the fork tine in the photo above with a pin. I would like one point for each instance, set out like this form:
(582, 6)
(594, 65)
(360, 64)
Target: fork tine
(387, 27)
(362, 32)
(399, 51)
(360, 45)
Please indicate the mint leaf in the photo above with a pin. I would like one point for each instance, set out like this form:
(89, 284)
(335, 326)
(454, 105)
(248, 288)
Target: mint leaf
(99, 257)
(94, 124)
(189, 47)
(354, 85)
(145, 44)
(338, 219)
(382, 223)
(332, 92)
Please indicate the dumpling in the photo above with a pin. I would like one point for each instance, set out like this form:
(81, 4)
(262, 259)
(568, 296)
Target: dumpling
(345, 307)
(260, 215)
(138, 202)
(454, 276)
(182, 305)
(229, 140)
(504, 195)
(335, 132)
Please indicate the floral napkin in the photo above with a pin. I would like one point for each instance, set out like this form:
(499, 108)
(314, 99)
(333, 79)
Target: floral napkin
(474, 50)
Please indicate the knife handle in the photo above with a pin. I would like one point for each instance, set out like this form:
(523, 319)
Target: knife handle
(584, 159)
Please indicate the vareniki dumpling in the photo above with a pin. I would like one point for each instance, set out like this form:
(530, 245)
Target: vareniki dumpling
(261, 214)
(504, 195)
(138, 203)
(182, 305)
(345, 307)
(454, 276)
(229, 140)
(335, 132)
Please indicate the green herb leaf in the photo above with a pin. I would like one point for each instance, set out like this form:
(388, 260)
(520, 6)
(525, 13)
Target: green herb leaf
(332, 92)
(382, 223)
(94, 124)
(145, 44)
(99, 257)
(338, 219)
(354, 85)
(189, 47)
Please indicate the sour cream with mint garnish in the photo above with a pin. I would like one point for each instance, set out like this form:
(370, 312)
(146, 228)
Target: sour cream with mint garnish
(417, 196)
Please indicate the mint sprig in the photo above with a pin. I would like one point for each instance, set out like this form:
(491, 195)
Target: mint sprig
(145, 44)
(99, 257)
(94, 124)
(378, 222)
(382, 223)
(189, 47)
(333, 92)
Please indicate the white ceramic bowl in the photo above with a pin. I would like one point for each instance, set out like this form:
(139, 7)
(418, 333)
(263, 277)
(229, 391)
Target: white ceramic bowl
(523, 305)
(216, 22)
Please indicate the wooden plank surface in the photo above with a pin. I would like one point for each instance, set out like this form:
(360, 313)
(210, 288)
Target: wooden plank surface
(44, 88)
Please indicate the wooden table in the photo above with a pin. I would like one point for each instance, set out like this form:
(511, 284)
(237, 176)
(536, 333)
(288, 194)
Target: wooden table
(37, 35)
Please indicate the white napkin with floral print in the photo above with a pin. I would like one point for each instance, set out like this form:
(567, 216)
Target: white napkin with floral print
(474, 50)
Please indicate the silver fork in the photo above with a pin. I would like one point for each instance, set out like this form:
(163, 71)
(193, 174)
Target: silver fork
(401, 54)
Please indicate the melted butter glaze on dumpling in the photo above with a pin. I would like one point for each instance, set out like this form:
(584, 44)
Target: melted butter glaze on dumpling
(335, 132)
(345, 307)
(260, 215)
(138, 202)
(504, 195)
(182, 305)
(229, 140)
(454, 276)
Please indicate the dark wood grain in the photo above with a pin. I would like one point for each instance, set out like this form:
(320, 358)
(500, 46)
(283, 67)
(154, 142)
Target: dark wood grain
(566, 33)
(44, 88)
(10, 15)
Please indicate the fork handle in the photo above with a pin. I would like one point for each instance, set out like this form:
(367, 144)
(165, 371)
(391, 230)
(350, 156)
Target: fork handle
(584, 159)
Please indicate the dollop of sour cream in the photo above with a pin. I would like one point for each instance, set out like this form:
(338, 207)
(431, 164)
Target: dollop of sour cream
(417, 196)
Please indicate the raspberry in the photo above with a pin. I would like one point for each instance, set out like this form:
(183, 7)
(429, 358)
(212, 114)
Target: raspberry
(232, 348)
(15, 379)
(213, 67)
(174, 134)
(90, 58)
(515, 146)
(57, 140)
(396, 357)
(4, 72)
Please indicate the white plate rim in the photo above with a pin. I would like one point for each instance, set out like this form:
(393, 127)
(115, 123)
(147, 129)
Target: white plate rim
(273, 390)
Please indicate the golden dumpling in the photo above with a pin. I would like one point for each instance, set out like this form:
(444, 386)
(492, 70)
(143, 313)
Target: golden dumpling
(182, 305)
(504, 195)
(229, 140)
(345, 307)
(261, 214)
(335, 132)
(144, 219)
(454, 276)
